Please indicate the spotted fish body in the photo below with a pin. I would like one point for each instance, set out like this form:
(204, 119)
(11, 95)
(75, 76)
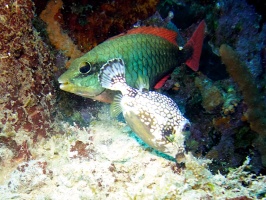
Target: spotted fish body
(154, 117)
(149, 53)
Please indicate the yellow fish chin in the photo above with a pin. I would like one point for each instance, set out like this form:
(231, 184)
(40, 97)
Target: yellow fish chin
(87, 92)
(99, 94)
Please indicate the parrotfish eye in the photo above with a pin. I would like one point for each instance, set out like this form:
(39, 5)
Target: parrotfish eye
(186, 127)
(85, 68)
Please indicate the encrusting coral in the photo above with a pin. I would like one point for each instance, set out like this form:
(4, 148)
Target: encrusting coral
(211, 95)
(255, 113)
(56, 35)
(26, 80)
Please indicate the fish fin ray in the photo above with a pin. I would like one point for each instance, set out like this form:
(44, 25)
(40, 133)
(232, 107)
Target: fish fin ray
(115, 108)
(167, 34)
(112, 74)
(142, 83)
(196, 43)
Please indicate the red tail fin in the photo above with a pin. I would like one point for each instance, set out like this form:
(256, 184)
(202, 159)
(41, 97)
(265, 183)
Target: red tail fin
(196, 42)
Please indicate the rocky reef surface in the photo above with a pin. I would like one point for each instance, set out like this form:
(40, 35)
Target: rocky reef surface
(27, 89)
(107, 161)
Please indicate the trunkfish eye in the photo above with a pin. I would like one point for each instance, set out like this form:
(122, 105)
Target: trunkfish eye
(85, 68)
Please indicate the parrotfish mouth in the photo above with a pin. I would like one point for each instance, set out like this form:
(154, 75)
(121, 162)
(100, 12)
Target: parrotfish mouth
(101, 94)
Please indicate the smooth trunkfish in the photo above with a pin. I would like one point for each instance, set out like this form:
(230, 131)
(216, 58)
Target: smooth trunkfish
(154, 117)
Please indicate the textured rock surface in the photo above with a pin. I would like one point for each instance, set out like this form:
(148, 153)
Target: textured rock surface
(26, 79)
(107, 161)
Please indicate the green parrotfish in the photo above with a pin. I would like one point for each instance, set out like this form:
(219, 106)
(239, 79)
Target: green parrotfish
(154, 117)
(149, 53)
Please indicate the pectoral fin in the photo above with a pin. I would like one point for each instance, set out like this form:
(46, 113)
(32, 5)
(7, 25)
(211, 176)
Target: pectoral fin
(115, 107)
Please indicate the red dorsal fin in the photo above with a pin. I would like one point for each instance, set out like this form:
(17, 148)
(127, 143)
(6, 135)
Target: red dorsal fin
(196, 42)
(161, 32)
(161, 82)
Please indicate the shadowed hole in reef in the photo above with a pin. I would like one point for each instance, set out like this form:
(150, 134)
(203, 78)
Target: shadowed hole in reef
(77, 109)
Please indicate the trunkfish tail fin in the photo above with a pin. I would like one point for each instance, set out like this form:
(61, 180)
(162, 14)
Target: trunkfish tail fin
(112, 75)
(196, 42)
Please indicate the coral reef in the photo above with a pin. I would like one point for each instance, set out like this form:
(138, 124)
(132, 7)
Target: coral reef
(237, 25)
(217, 94)
(92, 22)
(214, 126)
(105, 159)
(89, 23)
(217, 122)
(29, 176)
(26, 80)
(211, 95)
(88, 163)
(210, 99)
(256, 103)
